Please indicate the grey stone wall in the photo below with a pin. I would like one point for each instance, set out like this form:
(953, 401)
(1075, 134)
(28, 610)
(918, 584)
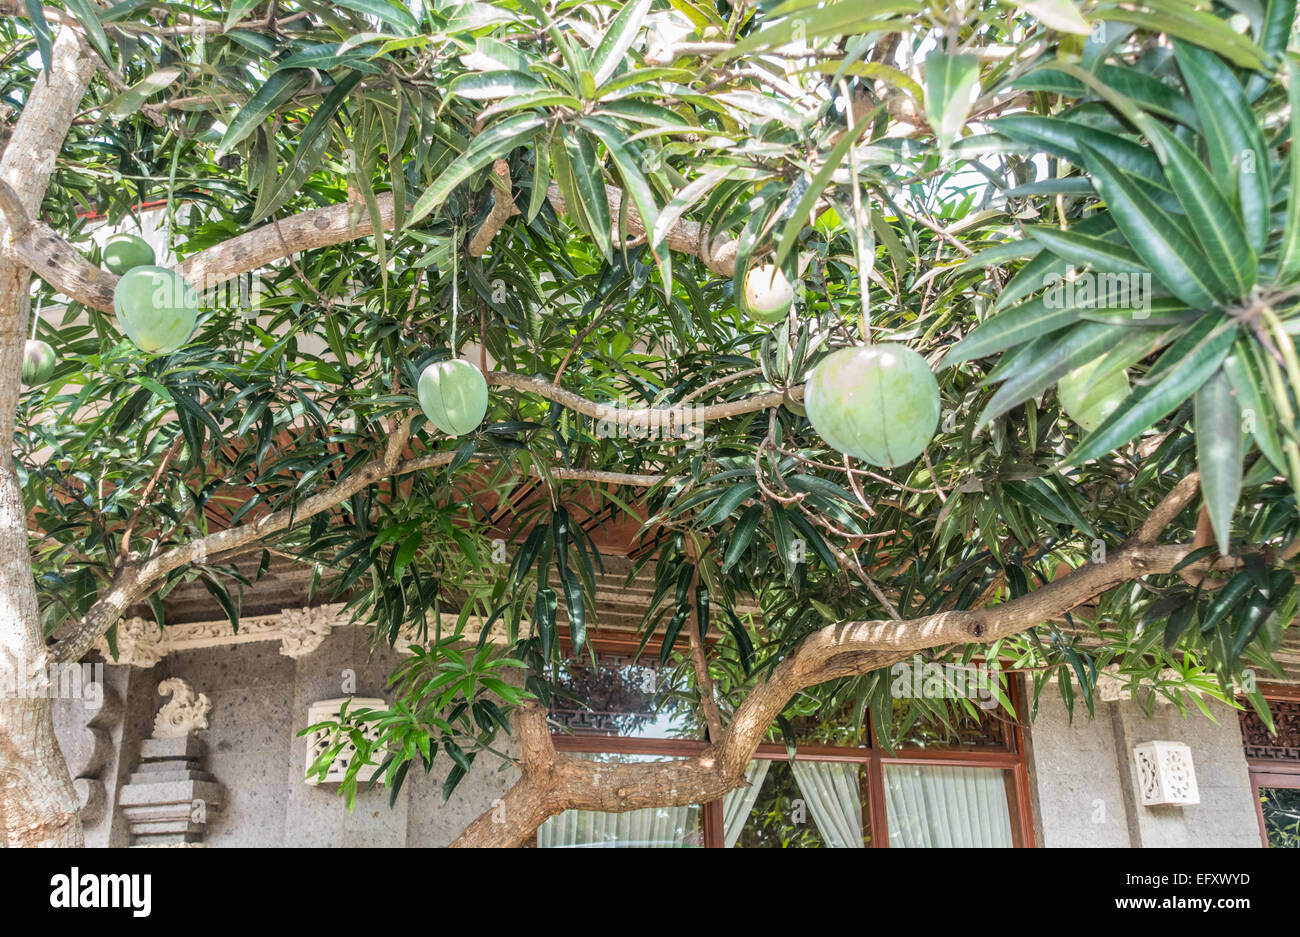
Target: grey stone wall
(259, 704)
(1085, 778)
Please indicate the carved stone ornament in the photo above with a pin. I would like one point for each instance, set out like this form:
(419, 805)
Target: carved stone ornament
(305, 629)
(141, 643)
(1165, 774)
(328, 711)
(184, 713)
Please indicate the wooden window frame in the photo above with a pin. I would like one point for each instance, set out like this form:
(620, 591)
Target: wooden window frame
(1011, 760)
(1268, 772)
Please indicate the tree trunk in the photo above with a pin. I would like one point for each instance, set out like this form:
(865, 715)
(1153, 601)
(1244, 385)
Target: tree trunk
(37, 801)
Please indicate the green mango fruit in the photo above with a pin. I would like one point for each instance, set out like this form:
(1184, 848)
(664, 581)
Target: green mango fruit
(768, 294)
(1088, 397)
(156, 308)
(38, 362)
(877, 403)
(454, 396)
(123, 252)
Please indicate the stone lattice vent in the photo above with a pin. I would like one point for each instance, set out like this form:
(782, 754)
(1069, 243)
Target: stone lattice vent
(328, 711)
(1165, 774)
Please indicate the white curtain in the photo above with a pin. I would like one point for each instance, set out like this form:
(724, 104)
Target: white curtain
(654, 827)
(737, 804)
(834, 799)
(947, 807)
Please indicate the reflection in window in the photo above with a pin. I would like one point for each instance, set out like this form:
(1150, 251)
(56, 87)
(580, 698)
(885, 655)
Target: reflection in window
(808, 804)
(946, 807)
(653, 827)
(1281, 809)
(624, 697)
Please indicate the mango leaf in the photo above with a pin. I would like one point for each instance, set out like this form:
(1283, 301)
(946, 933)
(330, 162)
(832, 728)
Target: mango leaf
(1067, 139)
(635, 186)
(487, 86)
(491, 144)
(950, 84)
(589, 187)
(1216, 223)
(133, 98)
(238, 10)
(1179, 19)
(837, 18)
(87, 13)
(1155, 236)
(1274, 34)
(1218, 453)
(1085, 342)
(1179, 372)
(612, 50)
(1248, 385)
(1061, 15)
(392, 14)
(1288, 262)
(1085, 251)
(1032, 319)
(44, 38)
(278, 89)
(1235, 143)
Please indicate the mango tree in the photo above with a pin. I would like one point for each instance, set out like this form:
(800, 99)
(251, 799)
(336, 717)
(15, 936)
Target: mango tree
(1036, 265)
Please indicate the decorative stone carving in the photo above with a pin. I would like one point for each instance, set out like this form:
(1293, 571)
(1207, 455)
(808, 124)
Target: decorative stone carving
(305, 629)
(184, 713)
(327, 710)
(1165, 774)
(84, 729)
(169, 798)
(139, 643)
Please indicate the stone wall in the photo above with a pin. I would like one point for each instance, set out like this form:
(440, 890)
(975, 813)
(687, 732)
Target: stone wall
(259, 704)
(1084, 777)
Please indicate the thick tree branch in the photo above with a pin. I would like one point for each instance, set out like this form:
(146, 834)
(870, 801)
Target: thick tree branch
(835, 651)
(64, 267)
(503, 208)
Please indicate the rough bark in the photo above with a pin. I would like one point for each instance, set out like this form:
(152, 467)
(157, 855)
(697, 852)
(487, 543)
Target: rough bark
(64, 267)
(551, 783)
(37, 799)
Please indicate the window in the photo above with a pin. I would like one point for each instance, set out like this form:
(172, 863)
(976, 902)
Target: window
(1274, 762)
(843, 790)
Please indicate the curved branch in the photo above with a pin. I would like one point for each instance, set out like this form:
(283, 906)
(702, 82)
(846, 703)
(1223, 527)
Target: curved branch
(64, 267)
(676, 416)
(134, 581)
(838, 650)
(503, 208)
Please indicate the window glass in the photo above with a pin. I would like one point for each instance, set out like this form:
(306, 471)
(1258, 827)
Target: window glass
(946, 807)
(623, 697)
(1281, 809)
(808, 804)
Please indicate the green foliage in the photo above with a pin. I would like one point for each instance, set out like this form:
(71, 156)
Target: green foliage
(1154, 145)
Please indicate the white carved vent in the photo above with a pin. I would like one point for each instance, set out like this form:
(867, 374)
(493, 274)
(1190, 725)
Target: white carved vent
(1165, 774)
(327, 710)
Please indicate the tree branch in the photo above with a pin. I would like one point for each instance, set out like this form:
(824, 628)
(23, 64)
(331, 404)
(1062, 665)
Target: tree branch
(64, 267)
(835, 651)
(687, 237)
(503, 207)
(134, 581)
(676, 416)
